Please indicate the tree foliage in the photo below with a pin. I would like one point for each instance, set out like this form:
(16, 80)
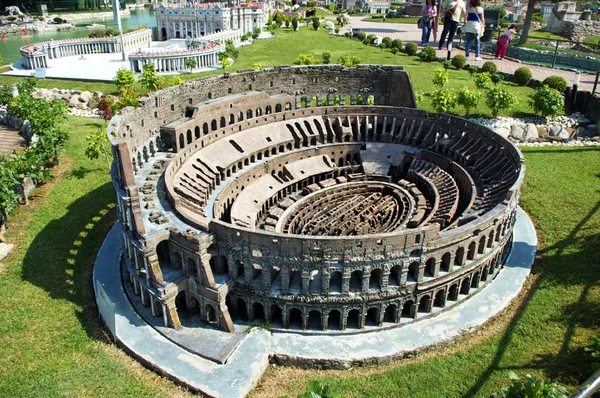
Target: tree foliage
(468, 99)
(443, 100)
(96, 145)
(440, 78)
(190, 63)
(124, 79)
(150, 80)
(499, 98)
(531, 388)
(547, 101)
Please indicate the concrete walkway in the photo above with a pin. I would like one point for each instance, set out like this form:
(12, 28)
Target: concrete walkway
(411, 33)
(244, 367)
(10, 140)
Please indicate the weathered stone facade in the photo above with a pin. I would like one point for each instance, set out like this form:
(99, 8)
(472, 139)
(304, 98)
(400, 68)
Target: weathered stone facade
(280, 195)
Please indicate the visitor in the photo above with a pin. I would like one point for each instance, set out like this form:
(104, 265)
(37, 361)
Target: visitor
(503, 41)
(428, 12)
(474, 26)
(453, 12)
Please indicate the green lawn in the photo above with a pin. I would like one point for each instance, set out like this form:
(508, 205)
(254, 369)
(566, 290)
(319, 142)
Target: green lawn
(392, 20)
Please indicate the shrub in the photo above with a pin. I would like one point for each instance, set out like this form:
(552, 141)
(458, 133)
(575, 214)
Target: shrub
(124, 80)
(522, 76)
(443, 100)
(349, 61)
(394, 51)
(440, 78)
(468, 99)
(556, 82)
(58, 20)
(459, 61)
(489, 67)
(594, 350)
(497, 78)
(326, 57)
(472, 69)
(397, 43)
(499, 98)
(304, 59)
(361, 36)
(316, 23)
(387, 41)
(371, 38)
(446, 64)
(531, 388)
(411, 49)
(428, 54)
(12, 19)
(483, 80)
(366, 42)
(547, 101)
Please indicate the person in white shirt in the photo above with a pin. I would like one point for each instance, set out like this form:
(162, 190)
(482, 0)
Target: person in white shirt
(453, 12)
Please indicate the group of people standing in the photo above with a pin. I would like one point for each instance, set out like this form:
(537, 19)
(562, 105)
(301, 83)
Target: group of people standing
(454, 12)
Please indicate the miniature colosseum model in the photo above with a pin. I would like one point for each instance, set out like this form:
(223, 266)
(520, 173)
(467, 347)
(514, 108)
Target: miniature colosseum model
(316, 199)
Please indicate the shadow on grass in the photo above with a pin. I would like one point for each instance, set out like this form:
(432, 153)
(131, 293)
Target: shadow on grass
(551, 264)
(61, 257)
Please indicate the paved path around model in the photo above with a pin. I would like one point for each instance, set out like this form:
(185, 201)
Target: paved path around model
(411, 33)
(10, 140)
(244, 367)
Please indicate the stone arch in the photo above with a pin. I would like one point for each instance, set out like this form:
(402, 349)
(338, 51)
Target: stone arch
(453, 292)
(277, 108)
(335, 282)
(258, 312)
(249, 114)
(395, 276)
(471, 252)
(197, 132)
(430, 267)
(334, 320)
(163, 253)
(181, 303)
(445, 265)
(258, 112)
(213, 125)
(268, 110)
(408, 309)
(425, 303)
(372, 317)
(465, 286)
(276, 315)
(241, 309)
(176, 260)
(231, 118)
(181, 141)
(314, 320)
(189, 136)
(288, 106)
(353, 319)
(240, 117)
(475, 280)
(295, 318)
(218, 265)
(459, 258)
(481, 247)
(490, 241)
(205, 130)
(389, 315)
(356, 281)
(484, 273)
(413, 271)
(440, 299)
(375, 279)
(193, 305)
(210, 314)
(499, 233)
(223, 122)
(190, 268)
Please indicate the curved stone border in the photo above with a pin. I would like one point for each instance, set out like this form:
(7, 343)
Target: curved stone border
(244, 367)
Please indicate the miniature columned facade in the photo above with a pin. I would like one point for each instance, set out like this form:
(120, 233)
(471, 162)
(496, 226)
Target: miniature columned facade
(316, 198)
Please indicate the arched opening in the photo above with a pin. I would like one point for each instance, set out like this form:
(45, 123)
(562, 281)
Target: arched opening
(413, 272)
(249, 114)
(389, 315)
(258, 112)
(425, 304)
(163, 254)
(295, 319)
(276, 316)
(223, 122)
(394, 279)
(484, 274)
(258, 312)
(490, 241)
(453, 293)
(460, 257)
(163, 33)
(181, 141)
(197, 132)
(241, 309)
(353, 320)
(475, 281)
(190, 268)
(471, 252)
(375, 279)
(218, 265)
(213, 125)
(430, 267)
(314, 320)
(268, 110)
(231, 118)
(205, 128)
(181, 303)
(278, 108)
(481, 247)
(465, 286)
(193, 305)
(239, 265)
(445, 265)
(356, 281)
(372, 318)
(440, 299)
(210, 315)
(189, 136)
(335, 282)
(334, 320)
(408, 309)
(240, 117)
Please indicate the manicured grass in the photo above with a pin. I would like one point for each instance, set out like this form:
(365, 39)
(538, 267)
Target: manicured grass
(51, 342)
(392, 20)
(546, 336)
(105, 88)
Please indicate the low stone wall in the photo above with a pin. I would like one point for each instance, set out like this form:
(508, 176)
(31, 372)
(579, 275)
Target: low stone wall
(578, 30)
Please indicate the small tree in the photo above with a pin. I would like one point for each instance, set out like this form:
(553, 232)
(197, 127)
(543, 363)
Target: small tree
(150, 80)
(124, 79)
(397, 43)
(522, 76)
(531, 387)
(472, 69)
(499, 98)
(191, 63)
(295, 23)
(411, 49)
(105, 108)
(316, 23)
(327, 57)
(428, 54)
(394, 51)
(459, 61)
(257, 66)
(97, 141)
(382, 46)
(483, 81)
(304, 59)
(443, 100)
(371, 100)
(361, 36)
(547, 101)
(468, 99)
(440, 78)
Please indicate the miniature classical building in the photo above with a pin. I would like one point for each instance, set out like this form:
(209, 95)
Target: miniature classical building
(187, 20)
(280, 195)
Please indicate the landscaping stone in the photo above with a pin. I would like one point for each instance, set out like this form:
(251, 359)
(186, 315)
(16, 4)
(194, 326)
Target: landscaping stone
(559, 131)
(5, 249)
(531, 133)
(503, 132)
(517, 132)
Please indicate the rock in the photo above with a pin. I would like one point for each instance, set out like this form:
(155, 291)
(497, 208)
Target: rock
(531, 132)
(5, 249)
(559, 131)
(581, 132)
(516, 132)
(592, 130)
(74, 100)
(25, 130)
(85, 96)
(329, 25)
(503, 132)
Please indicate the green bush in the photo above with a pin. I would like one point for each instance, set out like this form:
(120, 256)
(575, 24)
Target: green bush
(58, 20)
(387, 41)
(547, 101)
(349, 61)
(304, 59)
(483, 80)
(443, 100)
(472, 69)
(489, 67)
(440, 78)
(531, 388)
(361, 36)
(594, 350)
(428, 54)
(499, 98)
(397, 43)
(459, 61)
(326, 57)
(468, 99)
(411, 49)
(522, 76)
(446, 64)
(556, 82)
(497, 78)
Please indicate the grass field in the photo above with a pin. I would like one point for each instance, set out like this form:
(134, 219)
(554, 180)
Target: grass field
(52, 344)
